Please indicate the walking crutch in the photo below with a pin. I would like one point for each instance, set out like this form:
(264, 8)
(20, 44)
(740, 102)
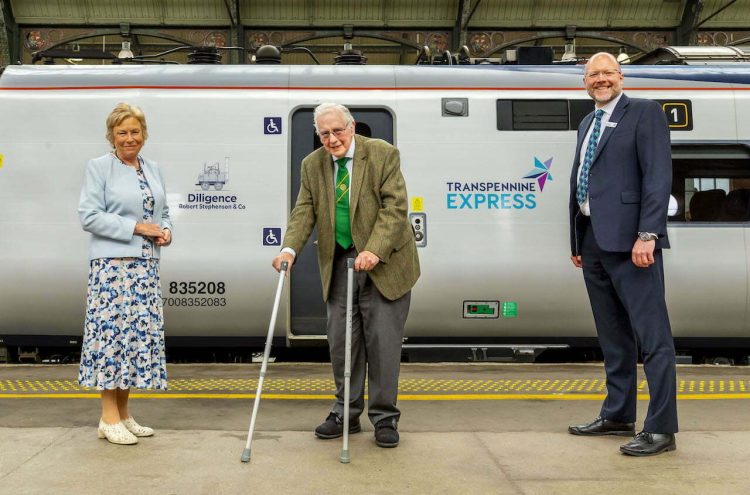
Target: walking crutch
(266, 354)
(345, 457)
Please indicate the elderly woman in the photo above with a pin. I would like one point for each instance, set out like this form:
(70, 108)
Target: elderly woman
(123, 206)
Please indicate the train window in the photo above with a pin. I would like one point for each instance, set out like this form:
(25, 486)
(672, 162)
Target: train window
(362, 129)
(578, 110)
(541, 115)
(711, 184)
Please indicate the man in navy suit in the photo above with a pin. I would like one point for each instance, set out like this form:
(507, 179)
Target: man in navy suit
(619, 193)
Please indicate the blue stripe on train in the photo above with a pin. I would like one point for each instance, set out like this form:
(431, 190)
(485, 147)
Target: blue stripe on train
(725, 74)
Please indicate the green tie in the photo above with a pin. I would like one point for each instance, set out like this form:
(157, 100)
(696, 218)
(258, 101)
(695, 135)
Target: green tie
(343, 228)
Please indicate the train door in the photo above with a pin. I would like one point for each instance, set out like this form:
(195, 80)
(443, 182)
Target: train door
(308, 312)
(707, 276)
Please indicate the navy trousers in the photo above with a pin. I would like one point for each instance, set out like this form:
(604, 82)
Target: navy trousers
(630, 312)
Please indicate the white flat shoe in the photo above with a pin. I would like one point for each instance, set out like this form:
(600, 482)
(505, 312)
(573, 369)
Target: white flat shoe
(136, 429)
(116, 433)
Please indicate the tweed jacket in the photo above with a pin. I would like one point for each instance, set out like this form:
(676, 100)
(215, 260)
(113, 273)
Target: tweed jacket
(111, 203)
(377, 213)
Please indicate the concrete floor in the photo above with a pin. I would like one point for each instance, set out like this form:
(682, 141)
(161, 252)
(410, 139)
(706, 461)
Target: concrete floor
(499, 446)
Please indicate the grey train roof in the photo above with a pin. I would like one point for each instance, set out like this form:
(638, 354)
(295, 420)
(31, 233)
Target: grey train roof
(355, 77)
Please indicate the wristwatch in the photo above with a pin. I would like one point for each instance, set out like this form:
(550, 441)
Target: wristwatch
(647, 236)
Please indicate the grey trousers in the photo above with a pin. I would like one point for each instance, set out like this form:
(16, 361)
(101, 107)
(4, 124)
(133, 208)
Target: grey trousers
(377, 332)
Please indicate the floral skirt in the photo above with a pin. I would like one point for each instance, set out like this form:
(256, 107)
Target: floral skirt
(123, 341)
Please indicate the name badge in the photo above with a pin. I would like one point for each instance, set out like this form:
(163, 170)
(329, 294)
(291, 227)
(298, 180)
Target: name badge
(611, 124)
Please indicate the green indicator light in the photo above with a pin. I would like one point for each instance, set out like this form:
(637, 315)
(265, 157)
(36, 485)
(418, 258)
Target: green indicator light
(510, 309)
(479, 309)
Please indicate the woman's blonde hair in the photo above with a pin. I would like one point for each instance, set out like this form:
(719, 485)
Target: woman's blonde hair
(122, 112)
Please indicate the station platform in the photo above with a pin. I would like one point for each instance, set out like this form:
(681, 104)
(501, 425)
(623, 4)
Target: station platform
(465, 428)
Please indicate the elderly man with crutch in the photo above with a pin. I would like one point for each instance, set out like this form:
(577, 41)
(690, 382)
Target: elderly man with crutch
(353, 191)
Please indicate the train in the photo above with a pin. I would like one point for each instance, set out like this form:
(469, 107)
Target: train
(486, 152)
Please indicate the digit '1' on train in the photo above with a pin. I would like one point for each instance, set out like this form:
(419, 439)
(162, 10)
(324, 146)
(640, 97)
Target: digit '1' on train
(486, 152)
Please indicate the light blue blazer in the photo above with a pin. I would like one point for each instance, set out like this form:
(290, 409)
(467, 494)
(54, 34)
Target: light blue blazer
(112, 203)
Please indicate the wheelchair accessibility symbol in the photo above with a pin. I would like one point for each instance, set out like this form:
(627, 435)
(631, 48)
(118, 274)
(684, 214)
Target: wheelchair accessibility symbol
(271, 125)
(272, 236)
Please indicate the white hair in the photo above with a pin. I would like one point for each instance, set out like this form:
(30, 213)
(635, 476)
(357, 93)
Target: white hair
(325, 108)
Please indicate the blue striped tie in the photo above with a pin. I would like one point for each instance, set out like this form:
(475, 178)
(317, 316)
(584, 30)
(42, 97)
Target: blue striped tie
(583, 178)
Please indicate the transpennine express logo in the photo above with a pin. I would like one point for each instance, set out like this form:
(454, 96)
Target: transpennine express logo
(540, 172)
(492, 195)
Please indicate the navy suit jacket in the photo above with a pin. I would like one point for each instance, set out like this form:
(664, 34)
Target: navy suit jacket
(630, 178)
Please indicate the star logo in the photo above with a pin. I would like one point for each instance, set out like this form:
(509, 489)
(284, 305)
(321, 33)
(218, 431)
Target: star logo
(540, 172)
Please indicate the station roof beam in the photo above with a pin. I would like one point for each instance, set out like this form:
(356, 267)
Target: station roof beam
(236, 31)
(466, 10)
(8, 35)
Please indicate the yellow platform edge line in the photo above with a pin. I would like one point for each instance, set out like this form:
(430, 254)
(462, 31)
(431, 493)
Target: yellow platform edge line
(414, 397)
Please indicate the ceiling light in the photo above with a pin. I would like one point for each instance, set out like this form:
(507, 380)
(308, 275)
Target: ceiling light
(125, 51)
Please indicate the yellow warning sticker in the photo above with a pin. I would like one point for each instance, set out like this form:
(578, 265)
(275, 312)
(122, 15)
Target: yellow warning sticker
(417, 203)
(1, 160)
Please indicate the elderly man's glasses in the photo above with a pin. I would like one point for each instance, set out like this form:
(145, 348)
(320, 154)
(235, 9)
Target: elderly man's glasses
(326, 135)
(606, 73)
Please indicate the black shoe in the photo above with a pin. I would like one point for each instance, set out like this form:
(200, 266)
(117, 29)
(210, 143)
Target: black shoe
(333, 427)
(386, 434)
(646, 443)
(601, 426)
